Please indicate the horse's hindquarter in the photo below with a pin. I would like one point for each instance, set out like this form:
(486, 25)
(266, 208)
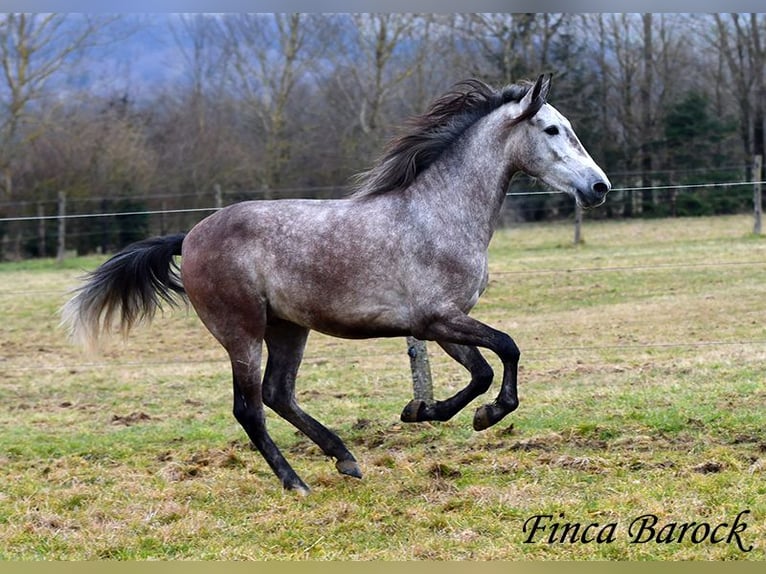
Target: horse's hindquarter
(343, 267)
(314, 263)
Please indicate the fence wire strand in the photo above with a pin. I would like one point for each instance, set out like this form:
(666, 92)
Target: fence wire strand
(70, 216)
(342, 357)
(339, 358)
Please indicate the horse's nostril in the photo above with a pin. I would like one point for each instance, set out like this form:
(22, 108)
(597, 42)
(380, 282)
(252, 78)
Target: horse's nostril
(601, 188)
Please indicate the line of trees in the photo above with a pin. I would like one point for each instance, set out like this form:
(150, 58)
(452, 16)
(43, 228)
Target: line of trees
(266, 103)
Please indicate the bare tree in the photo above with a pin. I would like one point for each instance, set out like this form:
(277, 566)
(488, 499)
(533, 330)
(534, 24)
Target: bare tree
(377, 70)
(647, 115)
(512, 46)
(273, 57)
(205, 56)
(759, 69)
(739, 40)
(379, 41)
(34, 49)
(193, 138)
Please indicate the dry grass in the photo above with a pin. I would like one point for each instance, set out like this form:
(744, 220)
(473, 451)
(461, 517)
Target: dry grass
(642, 393)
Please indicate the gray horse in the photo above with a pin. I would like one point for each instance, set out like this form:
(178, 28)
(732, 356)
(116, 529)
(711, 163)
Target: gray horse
(404, 254)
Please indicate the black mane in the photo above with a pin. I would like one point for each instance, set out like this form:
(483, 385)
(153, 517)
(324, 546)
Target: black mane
(430, 134)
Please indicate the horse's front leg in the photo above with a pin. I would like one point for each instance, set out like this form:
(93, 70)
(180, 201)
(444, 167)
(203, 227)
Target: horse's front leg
(464, 330)
(507, 399)
(418, 410)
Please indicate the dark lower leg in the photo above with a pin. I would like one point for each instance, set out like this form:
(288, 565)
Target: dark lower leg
(464, 330)
(286, 342)
(507, 399)
(481, 379)
(327, 440)
(248, 410)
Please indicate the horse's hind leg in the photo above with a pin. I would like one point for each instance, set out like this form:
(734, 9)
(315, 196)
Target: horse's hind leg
(248, 410)
(286, 342)
(481, 379)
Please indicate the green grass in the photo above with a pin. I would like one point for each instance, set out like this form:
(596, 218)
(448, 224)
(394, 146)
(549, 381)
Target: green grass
(642, 392)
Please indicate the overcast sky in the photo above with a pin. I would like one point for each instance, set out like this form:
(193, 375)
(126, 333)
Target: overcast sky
(146, 58)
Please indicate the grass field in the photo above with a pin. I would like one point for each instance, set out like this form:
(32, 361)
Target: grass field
(642, 395)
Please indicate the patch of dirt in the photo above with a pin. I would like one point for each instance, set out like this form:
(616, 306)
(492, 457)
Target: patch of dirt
(583, 463)
(216, 458)
(39, 521)
(243, 444)
(749, 439)
(709, 467)
(308, 394)
(440, 470)
(637, 465)
(361, 424)
(304, 446)
(131, 419)
(541, 442)
(635, 442)
(197, 464)
(696, 424)
(176, 472)
(374, 435)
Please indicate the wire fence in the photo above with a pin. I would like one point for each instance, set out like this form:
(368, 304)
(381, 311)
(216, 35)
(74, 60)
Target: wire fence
(307, 192)
(340, 357)
(525, 272)
(217, 199)
(122, 219)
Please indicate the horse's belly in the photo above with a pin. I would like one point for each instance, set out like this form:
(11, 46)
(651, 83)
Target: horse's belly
(347, 323)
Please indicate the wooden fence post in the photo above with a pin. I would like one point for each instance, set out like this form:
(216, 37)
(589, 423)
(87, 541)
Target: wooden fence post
(218, 196)
(757, 201)
(421, 370)
(578, 224)
(41, 248)
(61, 251)
(163, 217)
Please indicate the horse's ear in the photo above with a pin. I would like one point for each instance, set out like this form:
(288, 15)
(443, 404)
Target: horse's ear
(545, 87)
(541, 88)
(535, 97)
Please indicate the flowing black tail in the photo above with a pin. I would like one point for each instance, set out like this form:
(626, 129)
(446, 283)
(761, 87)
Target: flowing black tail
(134, 283)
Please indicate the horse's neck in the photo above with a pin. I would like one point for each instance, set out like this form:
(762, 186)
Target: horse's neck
(467, 185)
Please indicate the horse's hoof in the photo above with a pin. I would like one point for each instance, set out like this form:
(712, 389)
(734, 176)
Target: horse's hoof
(485, 417)
(413, 411)
(349, 468)
(298, 488)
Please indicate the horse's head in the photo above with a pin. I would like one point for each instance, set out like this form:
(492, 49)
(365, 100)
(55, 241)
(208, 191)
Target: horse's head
(546, 147)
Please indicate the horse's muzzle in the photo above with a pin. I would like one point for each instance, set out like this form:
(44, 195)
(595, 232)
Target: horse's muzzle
(594, 196)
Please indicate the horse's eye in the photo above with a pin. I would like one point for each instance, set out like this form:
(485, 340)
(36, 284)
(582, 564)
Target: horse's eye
(552, 131)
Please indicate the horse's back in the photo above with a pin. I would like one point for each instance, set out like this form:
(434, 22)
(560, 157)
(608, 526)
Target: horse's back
(322, 264)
